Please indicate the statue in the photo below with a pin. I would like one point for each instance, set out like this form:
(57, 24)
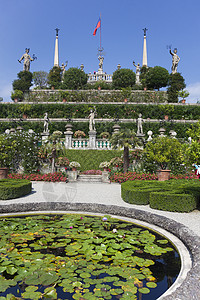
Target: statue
(63, 66)
(175, 60)
(91, 120)
(139, 125)
(27, 58)
(137, 72)
(100, 58)
(46, 123)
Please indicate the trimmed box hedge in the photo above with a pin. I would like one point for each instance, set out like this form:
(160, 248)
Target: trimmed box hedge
(14, 188)
(172, 195)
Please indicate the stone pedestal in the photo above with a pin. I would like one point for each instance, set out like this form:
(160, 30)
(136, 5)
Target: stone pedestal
(72, 175)
(141, 136)
(68, 136)
(105, 177)
(45, 136)
(92, 139)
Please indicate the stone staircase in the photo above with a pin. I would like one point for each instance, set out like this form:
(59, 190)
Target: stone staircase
(89, 178)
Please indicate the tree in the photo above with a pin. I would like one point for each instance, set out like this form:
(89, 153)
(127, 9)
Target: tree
(24, 82)
(143, 74)
(192, 150)
(163, 151)
(125, 138)
(176, 83)
(157, 78)
(123, 78)
(55, 77)
(74, 79)
(40, 79)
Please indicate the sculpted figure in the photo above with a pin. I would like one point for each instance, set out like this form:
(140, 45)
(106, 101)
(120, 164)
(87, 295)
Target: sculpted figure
(91, 120)
(46, 122)
(27, 58)
(100, 58)
(137, 72)
(175, 60)
(139, 125)
(63, 66)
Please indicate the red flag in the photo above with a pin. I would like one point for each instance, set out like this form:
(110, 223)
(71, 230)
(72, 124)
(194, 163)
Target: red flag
(97, 26)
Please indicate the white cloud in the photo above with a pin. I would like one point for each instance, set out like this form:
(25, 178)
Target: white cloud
(194, 90)
(5, 92)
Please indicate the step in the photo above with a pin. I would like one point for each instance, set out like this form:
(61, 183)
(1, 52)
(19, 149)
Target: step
(89, 178)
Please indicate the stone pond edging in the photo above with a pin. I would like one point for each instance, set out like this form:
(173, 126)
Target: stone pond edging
(188, 290)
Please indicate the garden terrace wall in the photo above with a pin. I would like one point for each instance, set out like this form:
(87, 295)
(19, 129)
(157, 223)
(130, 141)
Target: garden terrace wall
(96, 96)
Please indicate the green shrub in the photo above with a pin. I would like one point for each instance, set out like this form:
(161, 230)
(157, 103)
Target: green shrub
(172, 201)
(172, 195)
(91, 159)
(12, 188)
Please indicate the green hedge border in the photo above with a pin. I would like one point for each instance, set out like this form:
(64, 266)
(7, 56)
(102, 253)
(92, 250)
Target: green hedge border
(172, 195)
(104, 110)
(14, 188)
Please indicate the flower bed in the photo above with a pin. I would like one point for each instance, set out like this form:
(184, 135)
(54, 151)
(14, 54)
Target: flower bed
(52, 177)
(122, 177)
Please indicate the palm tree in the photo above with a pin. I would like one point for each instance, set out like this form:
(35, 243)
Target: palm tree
(125, 139)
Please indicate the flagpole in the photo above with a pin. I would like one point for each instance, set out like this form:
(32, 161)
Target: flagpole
(100, 31)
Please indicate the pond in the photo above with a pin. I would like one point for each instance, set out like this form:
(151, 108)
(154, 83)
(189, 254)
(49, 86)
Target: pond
(83, 257)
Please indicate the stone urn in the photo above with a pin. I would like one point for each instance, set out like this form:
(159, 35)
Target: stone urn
(3, 173)
(163, 175)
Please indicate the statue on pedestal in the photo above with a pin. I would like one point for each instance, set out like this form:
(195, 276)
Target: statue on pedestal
(91, 120)
(63, 66)
(100, 58)
(139, 125)
(46, 123)
(175, 60)
(27, 58)
(137, 72)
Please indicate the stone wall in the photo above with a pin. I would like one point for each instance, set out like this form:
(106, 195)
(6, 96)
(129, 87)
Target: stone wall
(136, 96)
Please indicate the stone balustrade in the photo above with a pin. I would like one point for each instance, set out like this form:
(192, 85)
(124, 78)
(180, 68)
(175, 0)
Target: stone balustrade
(92, 78)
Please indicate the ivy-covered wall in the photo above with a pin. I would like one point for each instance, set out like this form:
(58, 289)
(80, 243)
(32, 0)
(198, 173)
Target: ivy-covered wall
(96, 96)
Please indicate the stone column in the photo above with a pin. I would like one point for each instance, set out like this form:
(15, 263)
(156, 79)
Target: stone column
(68, 136)
(92, 139)
(56, 57)
(45, 136)
(144, 60)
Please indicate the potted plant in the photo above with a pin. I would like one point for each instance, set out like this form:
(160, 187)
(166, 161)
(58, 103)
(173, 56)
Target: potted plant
(163, 151)
(105, 135)
(183, 94)
(17, 95)
(104, 165)
(79, 134)
(74, 165)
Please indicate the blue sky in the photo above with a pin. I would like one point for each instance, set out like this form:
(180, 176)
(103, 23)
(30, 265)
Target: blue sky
(31, 24)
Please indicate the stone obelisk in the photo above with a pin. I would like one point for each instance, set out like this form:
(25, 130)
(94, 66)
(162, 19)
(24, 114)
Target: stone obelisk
(144, 61)
(56, 58)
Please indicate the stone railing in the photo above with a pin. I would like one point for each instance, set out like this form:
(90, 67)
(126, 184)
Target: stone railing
(100, 144)
(92, 78)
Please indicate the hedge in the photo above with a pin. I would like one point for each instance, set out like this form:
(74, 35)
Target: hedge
(91, 159)
(104, 110)
(172, 195)
(11, 188)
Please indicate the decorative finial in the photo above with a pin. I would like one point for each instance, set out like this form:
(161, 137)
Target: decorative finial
(145, 31)
(57, 29)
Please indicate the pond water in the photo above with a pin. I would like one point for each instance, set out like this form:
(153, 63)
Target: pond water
(75, 256)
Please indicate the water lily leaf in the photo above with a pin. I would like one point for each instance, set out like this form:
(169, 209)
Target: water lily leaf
(151, 284)
(144, 290)
(162, 241)
(50, 292)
